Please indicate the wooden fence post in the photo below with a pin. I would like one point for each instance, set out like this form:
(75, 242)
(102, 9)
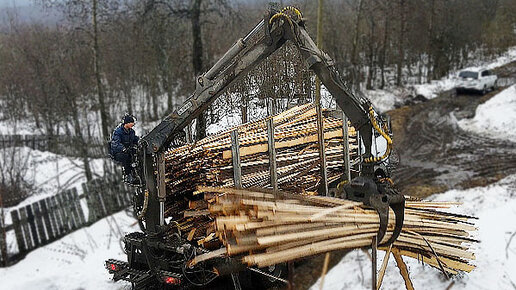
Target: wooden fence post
(38, 220)
(60, 219)
(106, 193)
(32, 226)
(100, 197)
(235, 154)
(18, 232)
(26, 228)
(3, 237)
(65, 208)
(78, 207)
(70, 210)
(46, 216)
(55, 217)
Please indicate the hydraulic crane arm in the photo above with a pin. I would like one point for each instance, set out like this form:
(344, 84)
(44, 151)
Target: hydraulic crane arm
(243, 57)
(272, 32)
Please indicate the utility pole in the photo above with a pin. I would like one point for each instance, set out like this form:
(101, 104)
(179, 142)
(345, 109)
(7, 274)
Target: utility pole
(319, 45)
(320, 121)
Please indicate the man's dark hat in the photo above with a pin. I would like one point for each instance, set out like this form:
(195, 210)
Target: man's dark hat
(128, 119)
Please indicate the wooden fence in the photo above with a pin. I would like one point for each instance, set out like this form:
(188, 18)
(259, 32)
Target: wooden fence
(49, 219)
(61, 144)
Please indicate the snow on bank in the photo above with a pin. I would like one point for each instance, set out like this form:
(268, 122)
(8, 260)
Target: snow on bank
(495, 118)
(74, 262)
(494, 205)
(8, 127)
(387, 99)
(49, 172)
(433, 89)
(384, 100)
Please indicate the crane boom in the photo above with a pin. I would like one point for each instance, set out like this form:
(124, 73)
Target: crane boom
(272, 32)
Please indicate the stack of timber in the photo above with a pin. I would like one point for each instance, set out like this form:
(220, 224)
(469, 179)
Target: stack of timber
(266, 228)
(209, 162)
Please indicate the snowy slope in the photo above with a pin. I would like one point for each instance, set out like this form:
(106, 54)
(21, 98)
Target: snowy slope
(494, 205)
(73, 262)
(48, 171)
(495, 264)
(495, 118)
(433, 89)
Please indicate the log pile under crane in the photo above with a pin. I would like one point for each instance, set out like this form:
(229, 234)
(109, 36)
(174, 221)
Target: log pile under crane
(208, 162)
(267, 228)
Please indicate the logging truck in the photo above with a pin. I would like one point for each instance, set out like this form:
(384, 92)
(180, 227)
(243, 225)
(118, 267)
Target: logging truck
(159, 257)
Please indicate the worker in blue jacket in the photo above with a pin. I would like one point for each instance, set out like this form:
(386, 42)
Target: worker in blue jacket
(123, 146)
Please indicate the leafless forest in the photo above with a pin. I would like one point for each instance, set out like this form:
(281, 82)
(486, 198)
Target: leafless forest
(104, 57)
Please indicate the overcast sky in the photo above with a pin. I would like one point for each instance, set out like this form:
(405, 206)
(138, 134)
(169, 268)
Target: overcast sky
(11, 3)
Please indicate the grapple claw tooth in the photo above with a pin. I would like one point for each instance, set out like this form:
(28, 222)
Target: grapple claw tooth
(380, 198)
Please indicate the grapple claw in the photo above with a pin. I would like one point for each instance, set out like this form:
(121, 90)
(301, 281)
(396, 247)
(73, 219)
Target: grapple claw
(380, 197)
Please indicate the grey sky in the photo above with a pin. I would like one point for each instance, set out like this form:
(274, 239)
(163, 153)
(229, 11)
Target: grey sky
(12, 3)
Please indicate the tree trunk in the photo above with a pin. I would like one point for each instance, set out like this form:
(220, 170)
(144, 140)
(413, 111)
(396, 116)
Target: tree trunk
(431, 46)
(154, 97)
(401, 50)
(81, 142)
(243, 107)
(3, 237)
(370, 76)
(384, 48)
(129, 96)
(354, 61)
(197, 60)
(96, 64)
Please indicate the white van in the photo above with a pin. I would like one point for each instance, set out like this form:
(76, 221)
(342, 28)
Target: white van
(477, 79)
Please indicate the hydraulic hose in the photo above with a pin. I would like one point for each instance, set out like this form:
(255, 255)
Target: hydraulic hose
(145, 204)
(384, 135)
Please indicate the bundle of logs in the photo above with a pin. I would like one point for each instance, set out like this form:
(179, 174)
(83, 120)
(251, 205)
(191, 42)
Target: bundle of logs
(208, 162)
(267, 228)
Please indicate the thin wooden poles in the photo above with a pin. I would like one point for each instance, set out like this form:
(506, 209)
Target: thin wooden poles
(275, 228)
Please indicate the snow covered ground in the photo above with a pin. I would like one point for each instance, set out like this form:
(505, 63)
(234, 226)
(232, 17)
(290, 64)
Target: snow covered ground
(50, 172)
(495, 118)
(494, 205)
(74, 262)
(385, 100)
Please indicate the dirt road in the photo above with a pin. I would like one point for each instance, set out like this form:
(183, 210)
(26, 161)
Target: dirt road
(437, 155)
